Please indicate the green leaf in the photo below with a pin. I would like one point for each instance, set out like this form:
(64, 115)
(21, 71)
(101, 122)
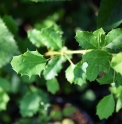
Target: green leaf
(35, 37)
(70, 73)
(100, 36)
(8, 47)
(53, 67)
(51, 38)
(105, 107)
(11, 24)
(4, 98)
(116, 63)
(110, 14)
(86, 40)
(29, 104)
(30, 63)
(107, 79)
(118, 105)
(118, 77)
(98, 61)
(56, 114)
(80, 73)
(4, 84)
(52, 85)
(49, 22)
(113, 39)
(67, 111)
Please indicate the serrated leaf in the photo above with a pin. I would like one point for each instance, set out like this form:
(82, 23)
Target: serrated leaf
(100, 36)
(4, 98)
(105, 107)
(69, 73)
(86, 40)
(98, 61)
(107, 79)
(51, 38)
(35, 37)
(113, 39)
(8, 47)
(48, 23)
(80, 73)
(109, 17)
(116, 63)
(11, 24)
(92, 71)
(4, 84)
(52, 85)
(30, 63)
(53, 67)
(29, 104)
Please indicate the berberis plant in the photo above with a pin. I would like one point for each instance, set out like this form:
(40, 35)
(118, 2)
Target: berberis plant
(100, 55)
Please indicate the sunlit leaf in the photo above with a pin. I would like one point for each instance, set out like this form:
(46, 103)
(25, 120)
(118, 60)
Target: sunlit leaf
(30, 63)
(86, 39)
(48, 37)
(113, 39)
(118, 105)
(69, 73)
(35, 37)
(80, 73)
(4, 98)
(116, 63)
(53, 67)
(100, 36)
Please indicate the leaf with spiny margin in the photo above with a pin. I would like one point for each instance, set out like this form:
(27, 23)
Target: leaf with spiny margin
(98, 61)
(69, 73)
(8, 46)
(116, 63)
(4, 84)
(100, 36)
(4, 98)
(80, 73)
(11, 24)
(29, 104)
(113, 39)
(52, 85)
(30, 63)
(86, 39)
(105, 107)
(35, 37)
(53, 67)
(49, 22)
(107, 79)
(51, 38)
